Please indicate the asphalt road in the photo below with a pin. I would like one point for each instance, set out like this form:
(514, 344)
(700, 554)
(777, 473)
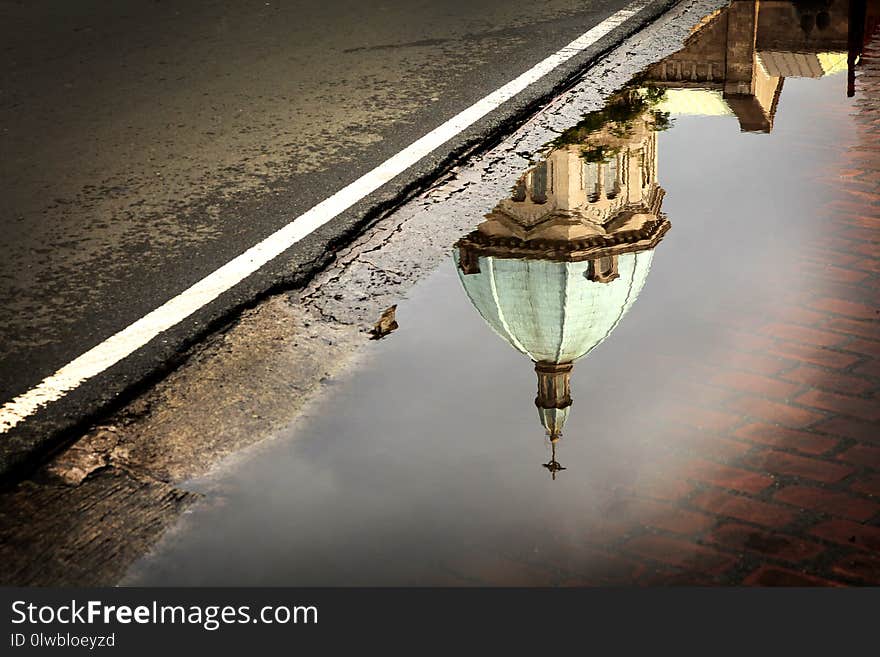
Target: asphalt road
(146, 143)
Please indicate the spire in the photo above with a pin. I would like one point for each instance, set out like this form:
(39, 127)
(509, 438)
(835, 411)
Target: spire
(553, 465)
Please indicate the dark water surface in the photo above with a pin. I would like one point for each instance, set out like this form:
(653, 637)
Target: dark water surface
(427, 465)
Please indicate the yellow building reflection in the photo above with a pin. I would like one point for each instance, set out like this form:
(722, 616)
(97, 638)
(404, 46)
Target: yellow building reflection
(736, 59)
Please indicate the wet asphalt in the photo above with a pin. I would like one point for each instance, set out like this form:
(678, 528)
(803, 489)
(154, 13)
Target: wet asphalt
(146, 144)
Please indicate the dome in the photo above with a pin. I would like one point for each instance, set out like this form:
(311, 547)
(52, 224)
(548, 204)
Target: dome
(550, 310)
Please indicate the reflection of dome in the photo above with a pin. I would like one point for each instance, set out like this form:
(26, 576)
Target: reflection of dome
(555, 267)
(550, 311)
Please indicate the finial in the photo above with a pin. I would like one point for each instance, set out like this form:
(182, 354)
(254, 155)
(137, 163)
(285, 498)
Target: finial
(553, 465)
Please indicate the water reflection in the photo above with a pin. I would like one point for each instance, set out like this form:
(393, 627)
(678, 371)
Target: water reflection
(737, 58)
(555, 267)
(413, 471)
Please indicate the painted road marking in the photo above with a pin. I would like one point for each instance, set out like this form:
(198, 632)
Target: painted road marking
(130, 339)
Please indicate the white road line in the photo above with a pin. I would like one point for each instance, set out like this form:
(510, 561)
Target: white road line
(130, 339)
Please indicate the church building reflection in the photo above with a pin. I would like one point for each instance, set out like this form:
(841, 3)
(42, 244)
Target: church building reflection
(554, 268)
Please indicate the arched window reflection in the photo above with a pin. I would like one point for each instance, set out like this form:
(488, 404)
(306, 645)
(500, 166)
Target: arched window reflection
(590, 173)
(611, 181)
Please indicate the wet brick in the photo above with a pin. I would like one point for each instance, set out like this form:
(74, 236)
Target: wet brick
(863, 409)
(827, 501)
(774, 436)
(853, 429)
(849, 533)
(802, 334)
(848, 308)
(862, 455)
(748, 383)
(775, 576)
(778, 546)
(777, 463)
(744, 508)
(865, 567)
(774, 412)
(676, 552)
(821, 356)
(829, 380)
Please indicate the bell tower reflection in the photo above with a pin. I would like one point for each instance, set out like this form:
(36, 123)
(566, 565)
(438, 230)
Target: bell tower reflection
(554, 268)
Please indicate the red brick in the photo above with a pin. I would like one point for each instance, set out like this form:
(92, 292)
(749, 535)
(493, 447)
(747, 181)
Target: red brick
(828, 380)
(863, 409)
(663, 488)
(798, 315)
(862, 455)
(755, 384)
(871, 250)
(868, 485)
(771, 544)
(673, 519)
(849, 207)
(759, 363)
(677, 578)
(704, 419)
(864, 567)
(868, 264)
(744, 508)
(849, 533)
(848, 308)
(840, 275)
(844, 249)
(747, 340)
(676, 552)
(858, 195)
(798, 466)
(815, 355)
(860, 234)
(847, 293)
(774, 436)
(610, 529)
(865, 432)
(775, 576)
(870, 368)
(802, 334)
(865, 347)
(725, 477)
(832, 247)
(863, 329)
(827, 501)
(774, 412)
(595, 568)
(708, 445)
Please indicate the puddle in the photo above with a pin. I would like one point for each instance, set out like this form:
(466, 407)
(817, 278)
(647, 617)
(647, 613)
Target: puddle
(595, 360)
